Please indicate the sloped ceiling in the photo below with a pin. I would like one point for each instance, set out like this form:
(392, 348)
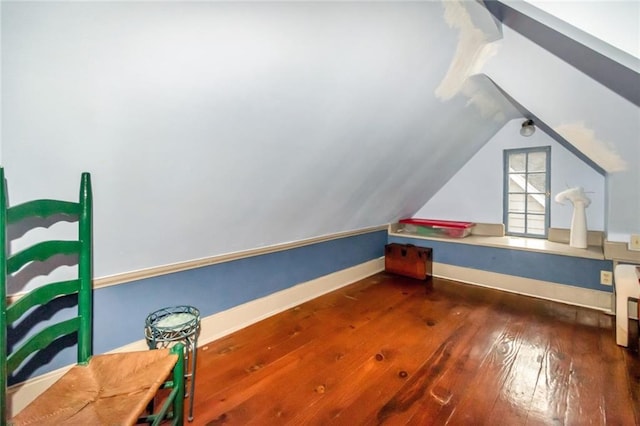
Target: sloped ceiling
(582, 91)
(611, 66)
(216, 127)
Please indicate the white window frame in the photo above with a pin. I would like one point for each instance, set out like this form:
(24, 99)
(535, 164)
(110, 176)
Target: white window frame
(527, 190)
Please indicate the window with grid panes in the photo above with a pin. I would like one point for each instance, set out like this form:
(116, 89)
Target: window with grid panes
(526, 191)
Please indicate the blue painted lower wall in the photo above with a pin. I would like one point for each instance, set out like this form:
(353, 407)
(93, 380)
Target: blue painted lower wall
(120, 311)
(568, 270)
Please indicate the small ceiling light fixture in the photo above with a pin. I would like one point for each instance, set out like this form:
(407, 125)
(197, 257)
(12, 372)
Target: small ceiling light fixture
(528, 128)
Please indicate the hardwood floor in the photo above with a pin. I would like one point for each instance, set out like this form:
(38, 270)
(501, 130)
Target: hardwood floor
(381, 351)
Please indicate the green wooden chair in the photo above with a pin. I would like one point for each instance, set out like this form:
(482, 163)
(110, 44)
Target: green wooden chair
(113, 389)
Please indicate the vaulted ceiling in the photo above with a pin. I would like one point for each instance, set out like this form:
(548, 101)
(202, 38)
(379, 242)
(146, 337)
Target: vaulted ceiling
(216, 127)
(583, 89)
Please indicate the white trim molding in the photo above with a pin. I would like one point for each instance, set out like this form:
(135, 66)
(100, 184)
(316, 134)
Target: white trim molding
(227, 257)
(221, 324)
(594, 299)
(156, 271)
(224, 323)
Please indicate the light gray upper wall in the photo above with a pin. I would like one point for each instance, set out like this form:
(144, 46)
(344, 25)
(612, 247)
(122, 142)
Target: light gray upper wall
(587, 87)
(216, 127)
(575, 98)
(598, 122)
(475, 193)
(610, 27)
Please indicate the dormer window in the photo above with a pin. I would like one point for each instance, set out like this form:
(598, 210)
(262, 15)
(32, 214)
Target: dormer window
(526, 191)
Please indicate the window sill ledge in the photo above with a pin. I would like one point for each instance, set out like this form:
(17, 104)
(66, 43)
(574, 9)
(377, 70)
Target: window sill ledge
(514, 243)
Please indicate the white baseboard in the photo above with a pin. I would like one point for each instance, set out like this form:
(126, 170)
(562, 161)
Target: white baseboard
(224, 323)
(593, 299)
(221, 324)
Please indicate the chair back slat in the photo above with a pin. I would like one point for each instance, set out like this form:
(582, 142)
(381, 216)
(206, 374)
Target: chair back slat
(85, 270)
(42, 209)
(41, 340)
(10, 263)
(41, 252)
(40, 296)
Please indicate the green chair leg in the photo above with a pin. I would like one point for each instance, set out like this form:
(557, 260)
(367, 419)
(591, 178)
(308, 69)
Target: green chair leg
(178, 382)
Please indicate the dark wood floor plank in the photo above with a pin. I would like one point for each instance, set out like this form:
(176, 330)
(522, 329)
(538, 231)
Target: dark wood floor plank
(233, 358)
(402, 357)
(632, 365)
(494, 376)
(440, 376)
(614, 367)
(229, 405)
(334, 365)
(549, 401)
(384, 351)
(518, 393)
(585, 401)
(352, 334)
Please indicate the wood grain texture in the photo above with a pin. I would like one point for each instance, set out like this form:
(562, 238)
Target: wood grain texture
(381, 351)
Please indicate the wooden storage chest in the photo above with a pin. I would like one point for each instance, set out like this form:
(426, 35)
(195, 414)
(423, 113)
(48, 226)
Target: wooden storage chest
(408, 260)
